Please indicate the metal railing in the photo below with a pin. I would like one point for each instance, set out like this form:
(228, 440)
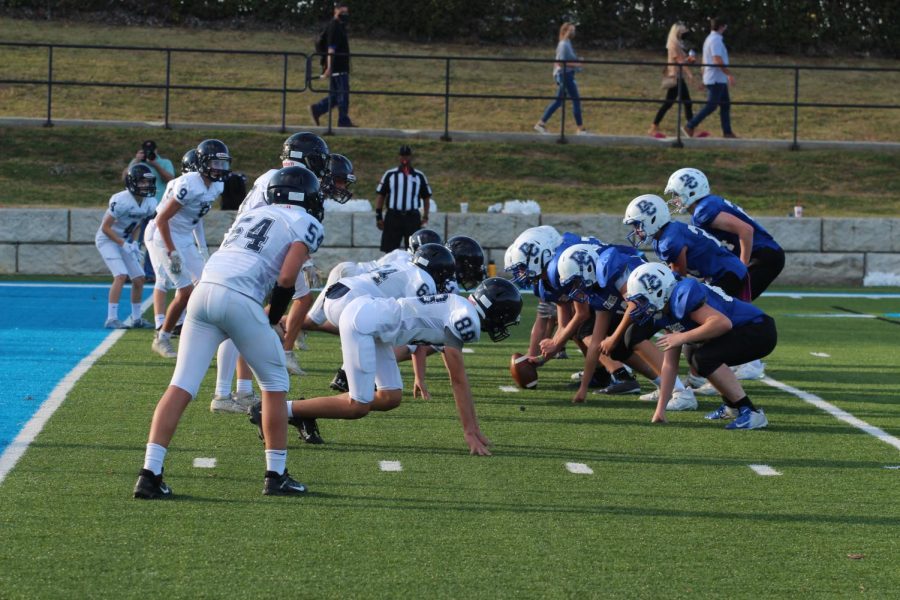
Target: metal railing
(51, 81)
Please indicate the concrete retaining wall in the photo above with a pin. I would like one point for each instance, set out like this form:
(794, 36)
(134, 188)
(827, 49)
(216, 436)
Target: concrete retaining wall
(820, 251)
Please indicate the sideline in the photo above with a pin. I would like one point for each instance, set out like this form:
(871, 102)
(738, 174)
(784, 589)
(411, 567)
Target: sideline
(33, 427)
(800, 295)
(834, 411)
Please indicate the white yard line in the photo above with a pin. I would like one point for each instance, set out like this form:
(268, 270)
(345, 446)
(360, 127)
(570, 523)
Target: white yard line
(390, 465)
(509, 389)
(835, 412)
(33, 427)
(764, 470)
(579, 468)
(204, 463)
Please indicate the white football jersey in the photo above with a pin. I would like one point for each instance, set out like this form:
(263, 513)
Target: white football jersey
(195, 198)
(442, 319)
(256, 197)
(393, 281)
(250, 258)
(127, 213)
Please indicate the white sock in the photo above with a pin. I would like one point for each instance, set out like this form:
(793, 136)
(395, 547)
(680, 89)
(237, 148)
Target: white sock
(153, 458)
(112, 310)
(244, 386)
(226, 364)
(276, 460)
(136, 311)
(290, 410)
(159, 320)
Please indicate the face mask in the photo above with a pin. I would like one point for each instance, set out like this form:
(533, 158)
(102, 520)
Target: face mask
(343, 17)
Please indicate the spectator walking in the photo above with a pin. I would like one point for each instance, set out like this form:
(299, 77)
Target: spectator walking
(717, 78)
(564, 73)
(407, 191)
(164, 171)
(336, 69)
(675, 79)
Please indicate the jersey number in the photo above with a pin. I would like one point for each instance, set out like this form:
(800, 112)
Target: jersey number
(314, 237)
(381, 275)
(464, 329)
(258, 234)
(699, 231)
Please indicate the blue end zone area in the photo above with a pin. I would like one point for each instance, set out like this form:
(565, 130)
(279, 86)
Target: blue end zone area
(45, 330)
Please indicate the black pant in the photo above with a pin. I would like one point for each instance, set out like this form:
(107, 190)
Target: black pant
(738, 346)
(734, 286)
(398, 226)
(671, 97)
(765, 265)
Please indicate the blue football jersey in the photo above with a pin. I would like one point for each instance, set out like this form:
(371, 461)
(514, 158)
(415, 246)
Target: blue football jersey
(690, 294)
(614, 265)
(706, 257)
(549, 290)
(708, 208)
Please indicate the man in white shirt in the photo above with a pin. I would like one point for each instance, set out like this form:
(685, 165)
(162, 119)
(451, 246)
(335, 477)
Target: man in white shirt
(717, 78)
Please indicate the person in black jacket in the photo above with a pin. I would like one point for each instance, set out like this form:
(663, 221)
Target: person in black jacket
(337, 69)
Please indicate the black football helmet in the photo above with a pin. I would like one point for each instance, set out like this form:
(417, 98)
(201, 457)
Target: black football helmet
(438, 262)
(338, 170)
(423, 236)
(309, 149)
(141, 181)
(499, 305)
(213, 159)
(189, 161)
(469, 258)
(298, 186)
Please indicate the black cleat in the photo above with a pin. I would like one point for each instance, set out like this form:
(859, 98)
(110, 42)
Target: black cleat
(255, 412)
(177, 331)
(282, 485)
(308, 430)
(151, 487)
(339, 383)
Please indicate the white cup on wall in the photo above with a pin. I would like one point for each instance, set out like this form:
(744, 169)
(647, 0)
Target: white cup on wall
(463, 207)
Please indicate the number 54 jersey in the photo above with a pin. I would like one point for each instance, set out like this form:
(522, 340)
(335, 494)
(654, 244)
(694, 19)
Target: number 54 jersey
(441, 319)
(249, 259)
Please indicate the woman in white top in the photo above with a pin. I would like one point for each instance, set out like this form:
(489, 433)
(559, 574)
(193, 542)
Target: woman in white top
(680, 76)
(564, 73)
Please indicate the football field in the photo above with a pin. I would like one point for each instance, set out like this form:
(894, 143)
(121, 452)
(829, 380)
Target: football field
(577, 501)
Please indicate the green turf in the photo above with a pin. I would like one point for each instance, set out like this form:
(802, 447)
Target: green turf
(670, 511)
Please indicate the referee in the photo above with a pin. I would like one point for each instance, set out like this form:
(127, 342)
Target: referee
(407, 191)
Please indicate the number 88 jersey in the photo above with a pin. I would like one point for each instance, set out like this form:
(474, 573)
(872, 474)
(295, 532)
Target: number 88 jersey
(440, 319)
(250, 258)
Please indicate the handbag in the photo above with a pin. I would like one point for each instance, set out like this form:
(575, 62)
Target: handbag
(668, 82)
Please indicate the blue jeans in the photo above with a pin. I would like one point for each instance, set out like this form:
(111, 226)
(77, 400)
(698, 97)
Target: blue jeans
(340, 97)
(571, 90)
(716, 97)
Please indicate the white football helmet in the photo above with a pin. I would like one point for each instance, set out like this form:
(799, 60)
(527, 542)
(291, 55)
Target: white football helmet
(649, 287)
(527, 256)
(685, 187)
(646, 215)
(577, 266)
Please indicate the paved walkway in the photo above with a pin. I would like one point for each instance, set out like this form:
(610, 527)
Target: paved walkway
(485, 136)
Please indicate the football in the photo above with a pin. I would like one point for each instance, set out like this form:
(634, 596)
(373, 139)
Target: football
(523, 372)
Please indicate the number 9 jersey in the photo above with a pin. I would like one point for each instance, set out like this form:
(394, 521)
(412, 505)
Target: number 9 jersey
(249, 259)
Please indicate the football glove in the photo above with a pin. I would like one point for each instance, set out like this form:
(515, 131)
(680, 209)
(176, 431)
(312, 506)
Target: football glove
(175, 262)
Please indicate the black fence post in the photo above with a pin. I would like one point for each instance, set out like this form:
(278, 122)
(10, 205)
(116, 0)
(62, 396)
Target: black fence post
(284, 93)
(168, 83)
(446, 136)
(49, 121)
(562, 119)
(794, 145)
(678, 143)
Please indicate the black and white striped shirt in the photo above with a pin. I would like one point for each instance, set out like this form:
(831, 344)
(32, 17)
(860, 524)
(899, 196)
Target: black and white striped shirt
(404, 192)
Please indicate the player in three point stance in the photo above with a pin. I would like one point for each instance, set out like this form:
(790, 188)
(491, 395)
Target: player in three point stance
(115, 240)
(371, 328)
(716, 331)
(266, 245)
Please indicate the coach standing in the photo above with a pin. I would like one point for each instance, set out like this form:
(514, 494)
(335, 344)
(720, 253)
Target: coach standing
(407, 191)
(337, 69)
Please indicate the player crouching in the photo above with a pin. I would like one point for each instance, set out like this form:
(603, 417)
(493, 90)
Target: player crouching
(370, 329)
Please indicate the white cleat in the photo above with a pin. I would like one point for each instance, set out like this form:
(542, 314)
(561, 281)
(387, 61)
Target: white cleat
(695, 381)
(232, 403)
(576, 376)
(163, 347)
(293, 367)
(749, 419)
(114, 324)
(682, 400)
(300, 342)
(751, 370)
(651, 397)
(138, 323)
(707, 389)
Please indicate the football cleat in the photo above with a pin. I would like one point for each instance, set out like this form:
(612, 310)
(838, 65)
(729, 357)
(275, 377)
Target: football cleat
(255, 412)
(707, 389)
(617, 388)
(177, 331)
(695, 381)
(339, 383)
(751, 370)
(308, 430)
(723, 412)
(138, 323)
(749, 419)
(163, 347)
(576, 376)
(300, 342)
(293, 367)
(682, 400)
(230, 404)
(282, 485)
(114, 324)
(151, 487)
